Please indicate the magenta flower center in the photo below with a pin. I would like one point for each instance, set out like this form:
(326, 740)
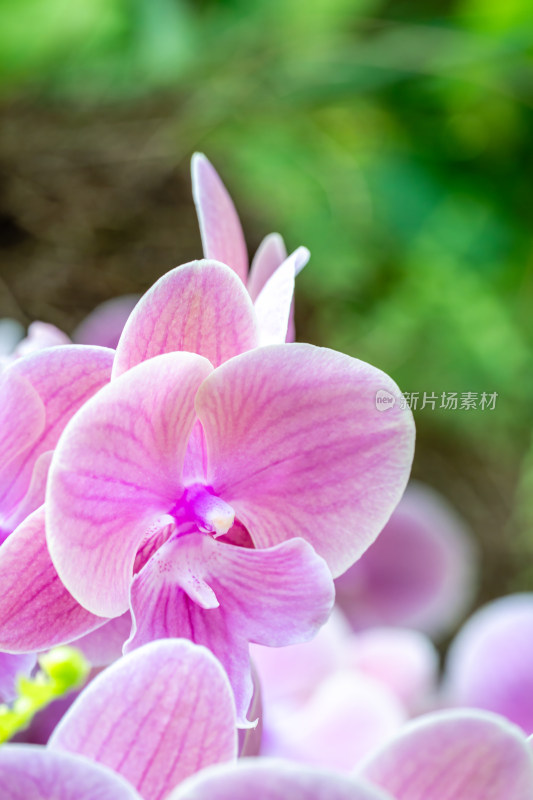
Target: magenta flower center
(203, 507)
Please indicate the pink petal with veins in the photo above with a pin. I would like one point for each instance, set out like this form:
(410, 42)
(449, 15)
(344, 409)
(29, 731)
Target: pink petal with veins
(296, 446)
(29, 772)
(457, 755)
(36, 611)
(63, 378)
(116, 472)
(155, 717)
(201, 307)
(220, 227)
(225, 596)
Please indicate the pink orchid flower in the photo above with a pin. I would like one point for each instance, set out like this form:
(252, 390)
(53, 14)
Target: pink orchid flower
(141, 727)
(104, 325)
(40, 393)
(272, 273)
(333, 700)
(210, 532)
(447, 756)
(489, 663)
(420, 573)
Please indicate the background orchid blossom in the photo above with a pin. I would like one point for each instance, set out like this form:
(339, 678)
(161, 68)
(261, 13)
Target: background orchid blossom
(465, 755)
(272, 273)
(141, 727)
(291, 445)
(489, 663)
(50, 386)
(420, 573)
(333, 700)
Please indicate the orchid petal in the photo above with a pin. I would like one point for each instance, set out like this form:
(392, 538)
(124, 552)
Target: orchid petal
(105, 323)
(348, 717)
(489, 662)
(40, 336)
(116, 472)
(63, 378)
(35, 773)
(220, 227)
(289, 675)
(464, 755)
(36, 611)
(272, 779)
(104, 645)
(270, 254)
(155, 717)
(11, 666)
(297, 447)
(275, 597)
(274, 302)
(404, 660)
(201, 307)
(420, 573)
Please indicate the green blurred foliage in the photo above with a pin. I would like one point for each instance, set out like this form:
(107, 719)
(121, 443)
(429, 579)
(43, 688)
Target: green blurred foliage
(392, 138)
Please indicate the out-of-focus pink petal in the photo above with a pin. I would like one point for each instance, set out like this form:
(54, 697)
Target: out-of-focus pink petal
(220, 227)
(201, 307)
(63, 378)
(36, 611)
(348, 717)
(104, 325)
(489, 664)
(297, 447)
(274, 779)
(270, 254)
(289, 675)
(225, 596)
(10, 667)
(29, 772)
(104, 645)
(404, 660)
(40, 336)
(275, 300)
(461, 755)
(420, 573)
(116, 472)
(155, 716)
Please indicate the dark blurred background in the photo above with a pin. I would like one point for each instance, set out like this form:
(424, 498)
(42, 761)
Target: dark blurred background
(394, 139)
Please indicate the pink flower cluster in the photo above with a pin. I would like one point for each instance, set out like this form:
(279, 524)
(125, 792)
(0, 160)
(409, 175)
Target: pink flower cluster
(198, 488)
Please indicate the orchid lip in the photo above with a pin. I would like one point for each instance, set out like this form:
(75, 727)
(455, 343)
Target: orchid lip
(210, 513)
